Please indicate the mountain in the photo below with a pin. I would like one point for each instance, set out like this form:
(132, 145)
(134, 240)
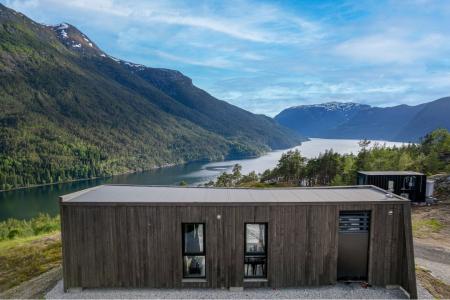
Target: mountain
(357, 121)
(69, 110)
(432, 115)
(315, 120)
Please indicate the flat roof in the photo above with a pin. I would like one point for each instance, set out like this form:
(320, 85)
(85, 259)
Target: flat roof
(174, 194)
(390, 173)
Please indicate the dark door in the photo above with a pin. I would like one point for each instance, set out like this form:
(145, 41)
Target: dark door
(353, 245)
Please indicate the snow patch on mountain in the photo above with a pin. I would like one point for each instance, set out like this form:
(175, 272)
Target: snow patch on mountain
(123, 62)
(61, 30)
(62, 26)
(114, 59)
(333, 106)
(133, 65)
(63, 34)
(76, 40)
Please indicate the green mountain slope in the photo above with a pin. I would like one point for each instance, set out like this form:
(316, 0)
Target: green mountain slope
(70, 111)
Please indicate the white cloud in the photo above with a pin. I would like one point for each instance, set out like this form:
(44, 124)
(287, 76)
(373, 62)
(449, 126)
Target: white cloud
(251, 56)
(264, 57)
(215, 62)
(243, 20)
(391, 49)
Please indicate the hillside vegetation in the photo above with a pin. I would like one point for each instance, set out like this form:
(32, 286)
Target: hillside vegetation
(70, 111)
(28, 248)
(431, 156)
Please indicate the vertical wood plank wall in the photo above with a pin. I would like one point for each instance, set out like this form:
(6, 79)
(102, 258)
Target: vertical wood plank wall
(382, 181)
(140, 246)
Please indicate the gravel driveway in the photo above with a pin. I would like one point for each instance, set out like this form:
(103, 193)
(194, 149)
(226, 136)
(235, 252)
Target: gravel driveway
(435, 259)
(348, 291)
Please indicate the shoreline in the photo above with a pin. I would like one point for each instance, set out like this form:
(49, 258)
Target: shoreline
(183, 163)
(87, 179)
(128, 172)
(60, 182)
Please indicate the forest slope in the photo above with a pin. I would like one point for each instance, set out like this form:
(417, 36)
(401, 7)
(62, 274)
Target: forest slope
(70, 111)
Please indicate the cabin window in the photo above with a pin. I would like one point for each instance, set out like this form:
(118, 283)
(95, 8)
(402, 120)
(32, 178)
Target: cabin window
(194, 250)
(391, 186)
(409, 182)
(255, 257)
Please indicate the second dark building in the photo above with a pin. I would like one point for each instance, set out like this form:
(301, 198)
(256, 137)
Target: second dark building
(408, 184)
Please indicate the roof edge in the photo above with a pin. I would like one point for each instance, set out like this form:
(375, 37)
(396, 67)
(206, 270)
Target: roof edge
(390, 172)
(393, 197)
(68, 197)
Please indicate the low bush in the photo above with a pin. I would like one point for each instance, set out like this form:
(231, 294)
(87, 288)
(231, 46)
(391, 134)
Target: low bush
(13, 228)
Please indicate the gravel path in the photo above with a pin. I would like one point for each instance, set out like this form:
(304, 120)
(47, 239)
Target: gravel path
(348, 291)
(35, 288)
(422, 293)
(435, 259)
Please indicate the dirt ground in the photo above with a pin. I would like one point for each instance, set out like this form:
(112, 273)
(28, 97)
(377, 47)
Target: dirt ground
(35, 288)
(29, 266)
(431, 230)
(431, 225)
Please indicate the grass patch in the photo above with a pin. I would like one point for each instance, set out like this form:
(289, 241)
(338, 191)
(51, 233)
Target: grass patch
(421, 228)
(24, 258)
(13, 228)
(436, 287)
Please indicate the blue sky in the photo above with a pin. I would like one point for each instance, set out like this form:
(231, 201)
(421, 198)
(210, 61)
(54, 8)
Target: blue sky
(265, 56)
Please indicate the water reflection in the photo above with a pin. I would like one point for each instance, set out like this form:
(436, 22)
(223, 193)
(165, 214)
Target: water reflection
(27, 203)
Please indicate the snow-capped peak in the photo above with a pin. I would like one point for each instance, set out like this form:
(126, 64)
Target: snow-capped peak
(75, 39)
(332, 106)
(61, 29)
(61, 26)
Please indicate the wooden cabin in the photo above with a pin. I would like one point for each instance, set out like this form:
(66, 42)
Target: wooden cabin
(408, 184)
(186, 237)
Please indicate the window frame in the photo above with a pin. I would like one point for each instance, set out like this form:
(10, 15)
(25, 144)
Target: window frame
(183, 249)
(257, 254)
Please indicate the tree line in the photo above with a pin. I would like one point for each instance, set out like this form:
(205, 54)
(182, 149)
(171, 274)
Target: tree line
(430, 156)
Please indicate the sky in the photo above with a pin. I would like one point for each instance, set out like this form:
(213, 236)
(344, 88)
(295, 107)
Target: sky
(265, 56)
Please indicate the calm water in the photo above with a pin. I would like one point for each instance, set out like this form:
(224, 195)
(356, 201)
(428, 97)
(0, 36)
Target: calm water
(27, 203)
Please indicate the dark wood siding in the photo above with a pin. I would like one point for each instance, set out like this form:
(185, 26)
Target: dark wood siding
(417, 194)
(141, 246)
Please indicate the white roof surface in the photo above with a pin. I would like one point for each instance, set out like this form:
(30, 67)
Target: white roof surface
(173, 194)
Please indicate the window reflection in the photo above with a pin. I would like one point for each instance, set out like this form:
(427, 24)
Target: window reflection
(194, 266)
(255, 259)
(193, 238)
(193, 250)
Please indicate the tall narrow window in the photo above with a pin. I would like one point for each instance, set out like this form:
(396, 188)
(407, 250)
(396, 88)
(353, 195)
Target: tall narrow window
(194, 250)
(255, 257)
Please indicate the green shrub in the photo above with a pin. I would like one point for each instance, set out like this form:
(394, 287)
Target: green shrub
(44, 224)
(13, 228)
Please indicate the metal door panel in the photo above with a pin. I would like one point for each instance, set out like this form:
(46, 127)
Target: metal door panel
(353, 245)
